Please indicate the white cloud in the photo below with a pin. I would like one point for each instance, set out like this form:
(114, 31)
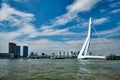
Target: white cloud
(52, 46)
(110, 32)
(73, 10)
(116, 4)
(23, 20)
(9, 35)
(100, 21)
(4, 46)
(62, 20)
(115, 11)
(14, 17)
(53, 32)
(82, 5)
(17, 19)
(21, 0)
(102, 10)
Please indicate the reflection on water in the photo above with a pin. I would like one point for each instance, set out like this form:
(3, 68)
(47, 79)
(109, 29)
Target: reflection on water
(53, 69)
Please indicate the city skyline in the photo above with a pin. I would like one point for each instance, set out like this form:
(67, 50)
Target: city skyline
(51, 26)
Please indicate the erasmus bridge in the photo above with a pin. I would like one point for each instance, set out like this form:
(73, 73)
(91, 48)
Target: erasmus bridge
(85, 47)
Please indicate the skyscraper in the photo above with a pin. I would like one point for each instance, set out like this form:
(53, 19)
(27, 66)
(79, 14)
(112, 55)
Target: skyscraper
(12, 49)
(18, 51)
(25, 51)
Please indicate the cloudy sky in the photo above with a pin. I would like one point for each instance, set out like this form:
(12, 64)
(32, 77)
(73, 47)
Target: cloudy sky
(60, 25)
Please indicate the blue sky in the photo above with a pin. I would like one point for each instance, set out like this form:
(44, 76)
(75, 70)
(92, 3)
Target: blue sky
(60, 25)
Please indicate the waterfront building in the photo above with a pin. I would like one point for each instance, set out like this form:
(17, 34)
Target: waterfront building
(59, 53)
(25, 51)
(63, 54)
(67, 54)
(1, 55)
(43, 55)
(32, 54)
(4, 55)
(53, 54)
(70, 54)
(12, 49)
(76, 54)
(18, 51)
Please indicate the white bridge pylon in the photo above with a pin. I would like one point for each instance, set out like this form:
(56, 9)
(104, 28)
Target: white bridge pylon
(85, 47)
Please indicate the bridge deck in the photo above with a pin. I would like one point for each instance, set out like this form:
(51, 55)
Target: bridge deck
(92, 57)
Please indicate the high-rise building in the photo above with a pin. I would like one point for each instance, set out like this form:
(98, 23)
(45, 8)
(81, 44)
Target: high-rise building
(18, 51)
(12, 49)
(25, 51)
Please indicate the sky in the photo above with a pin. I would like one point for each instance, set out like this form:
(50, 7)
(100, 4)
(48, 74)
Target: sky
(51, 26)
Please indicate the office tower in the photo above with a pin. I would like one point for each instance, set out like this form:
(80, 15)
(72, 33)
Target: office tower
(25, 51)
(32, 54)
(18, 51)
(12, 49)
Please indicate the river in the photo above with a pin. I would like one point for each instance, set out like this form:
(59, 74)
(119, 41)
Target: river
(55, 69)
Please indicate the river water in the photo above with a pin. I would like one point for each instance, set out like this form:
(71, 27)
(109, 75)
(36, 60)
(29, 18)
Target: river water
(55, 69)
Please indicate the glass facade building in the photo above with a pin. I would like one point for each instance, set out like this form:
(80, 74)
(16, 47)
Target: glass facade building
(18, 51)
(25, 51)
(12, 49)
